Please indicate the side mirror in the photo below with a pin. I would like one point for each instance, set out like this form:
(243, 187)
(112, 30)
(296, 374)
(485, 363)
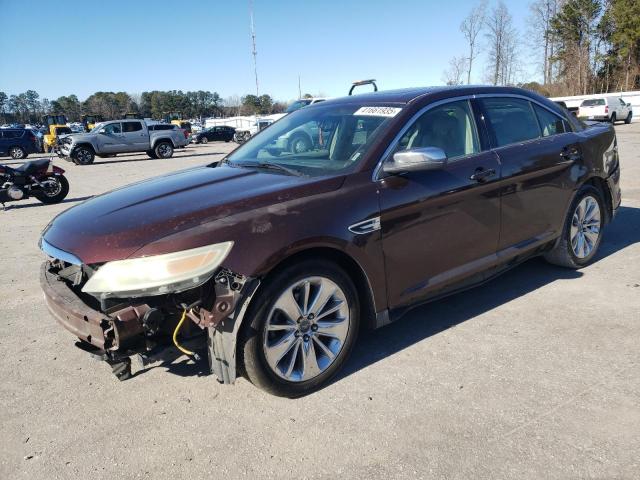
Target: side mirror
(416, 159)
(628, 104)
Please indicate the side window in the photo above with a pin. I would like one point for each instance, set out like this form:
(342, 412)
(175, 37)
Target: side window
(550, 123)
(113, 128)
(132, 126)
(450, 127)
(511, 119)
(622, 102)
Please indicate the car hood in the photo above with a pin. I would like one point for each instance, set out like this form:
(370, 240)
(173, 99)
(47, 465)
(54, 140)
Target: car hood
(115, 225)
(76, 137)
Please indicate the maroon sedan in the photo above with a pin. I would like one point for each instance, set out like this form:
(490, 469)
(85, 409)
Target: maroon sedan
(277, 258)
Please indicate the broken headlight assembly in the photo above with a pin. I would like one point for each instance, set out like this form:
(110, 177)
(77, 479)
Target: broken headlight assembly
(157, 274)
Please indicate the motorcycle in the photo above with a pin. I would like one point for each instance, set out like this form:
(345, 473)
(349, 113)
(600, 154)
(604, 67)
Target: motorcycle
(38, 178)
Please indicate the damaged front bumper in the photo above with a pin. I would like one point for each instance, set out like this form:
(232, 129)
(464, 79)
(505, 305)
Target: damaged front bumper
(139, 326)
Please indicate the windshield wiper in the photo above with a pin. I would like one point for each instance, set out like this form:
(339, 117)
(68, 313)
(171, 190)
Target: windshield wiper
(269, 166)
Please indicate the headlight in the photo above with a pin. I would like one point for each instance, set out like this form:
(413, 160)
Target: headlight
(158, 274)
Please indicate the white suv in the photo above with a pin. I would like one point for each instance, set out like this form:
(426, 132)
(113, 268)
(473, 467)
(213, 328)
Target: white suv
(610, 109)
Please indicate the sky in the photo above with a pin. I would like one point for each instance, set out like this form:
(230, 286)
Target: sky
(68, 46)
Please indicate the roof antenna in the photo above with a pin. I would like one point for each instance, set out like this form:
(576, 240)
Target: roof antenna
(254, 52)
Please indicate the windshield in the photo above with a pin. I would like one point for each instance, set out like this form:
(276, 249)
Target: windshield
(297, 105)
(317, 141)
(63, 131)
(593, 102)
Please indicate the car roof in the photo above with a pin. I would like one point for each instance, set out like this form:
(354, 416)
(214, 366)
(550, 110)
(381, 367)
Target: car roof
(408, 95)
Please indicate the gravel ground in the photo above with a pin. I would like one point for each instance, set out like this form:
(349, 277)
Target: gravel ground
(535, 375)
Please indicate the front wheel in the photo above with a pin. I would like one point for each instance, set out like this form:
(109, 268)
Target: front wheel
(301, 328)
(83, 156)
(55, 189)
(17, 153)
(613, 118)
(582, 231)
(204, 139)
(163, 150)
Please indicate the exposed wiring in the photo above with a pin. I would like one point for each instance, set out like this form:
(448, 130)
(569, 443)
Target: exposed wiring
(175, 337)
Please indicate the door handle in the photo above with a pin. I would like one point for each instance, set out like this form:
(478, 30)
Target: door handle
(481, 174)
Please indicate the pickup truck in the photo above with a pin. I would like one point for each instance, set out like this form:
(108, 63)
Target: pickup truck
(608, 109)
(121, 136)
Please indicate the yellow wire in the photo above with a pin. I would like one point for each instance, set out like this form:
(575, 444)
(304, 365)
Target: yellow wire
(175, 336)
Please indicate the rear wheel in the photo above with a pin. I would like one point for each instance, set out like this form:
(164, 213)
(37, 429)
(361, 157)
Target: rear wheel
(582, 231)
(628, 119)
(55, 189)
(17, 153)
(301, 328)
(151, 154)
(83, 155)
(613, 117)
(163, 150)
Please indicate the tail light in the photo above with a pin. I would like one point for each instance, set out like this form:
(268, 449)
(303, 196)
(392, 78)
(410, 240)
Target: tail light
(186, 134)
(606, 109)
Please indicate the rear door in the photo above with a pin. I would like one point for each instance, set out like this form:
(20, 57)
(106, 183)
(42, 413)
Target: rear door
(538, 151)
(3, 143)
(135, 136)
(440, 226)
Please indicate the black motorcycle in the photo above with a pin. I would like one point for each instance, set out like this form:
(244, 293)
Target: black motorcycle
(38, 178)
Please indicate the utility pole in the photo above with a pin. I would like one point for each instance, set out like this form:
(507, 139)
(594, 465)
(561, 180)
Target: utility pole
(254, 52)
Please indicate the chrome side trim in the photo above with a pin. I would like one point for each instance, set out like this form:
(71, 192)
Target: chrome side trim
(366, 226)
(55, 252)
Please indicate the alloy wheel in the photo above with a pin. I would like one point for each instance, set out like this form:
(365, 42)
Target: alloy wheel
(16, 153)
(164, 150)
(306, 329)
(52, 187)
(585, 227)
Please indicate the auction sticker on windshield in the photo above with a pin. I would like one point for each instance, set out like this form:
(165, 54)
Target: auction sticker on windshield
(378, 111)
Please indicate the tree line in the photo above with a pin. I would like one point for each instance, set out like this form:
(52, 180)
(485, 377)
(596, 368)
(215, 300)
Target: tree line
(578, 46)
(29, 107)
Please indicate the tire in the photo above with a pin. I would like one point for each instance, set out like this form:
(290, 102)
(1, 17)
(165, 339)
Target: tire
(299, 144)
(17, 153)
(83, 155)
(285, 375)
(204, 140)
(151, 154)
(568, 251)
(59, 195)
(628, 119)
(163, 150)
(613, 118)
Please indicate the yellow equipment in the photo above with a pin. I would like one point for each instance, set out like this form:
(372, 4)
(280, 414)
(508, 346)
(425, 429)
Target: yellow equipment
(89, 121)
(56, 125)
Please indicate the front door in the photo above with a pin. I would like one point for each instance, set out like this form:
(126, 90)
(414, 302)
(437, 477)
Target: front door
(440, 227)
(111, 139)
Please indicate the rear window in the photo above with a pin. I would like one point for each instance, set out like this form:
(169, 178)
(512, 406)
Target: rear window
(593, 102)
(131, 126)
(63, 131)
(162, 127)
(12, 133)
(550, 123)
(511, 119)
